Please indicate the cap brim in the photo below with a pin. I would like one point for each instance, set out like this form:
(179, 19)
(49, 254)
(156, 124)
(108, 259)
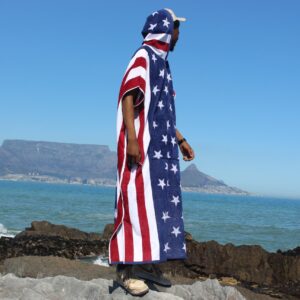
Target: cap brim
(181, 19)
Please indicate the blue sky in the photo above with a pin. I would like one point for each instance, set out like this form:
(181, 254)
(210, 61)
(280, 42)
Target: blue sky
(236, 72)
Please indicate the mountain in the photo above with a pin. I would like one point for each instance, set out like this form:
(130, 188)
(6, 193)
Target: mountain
(80, 163)
(60, 160)
(194, 180)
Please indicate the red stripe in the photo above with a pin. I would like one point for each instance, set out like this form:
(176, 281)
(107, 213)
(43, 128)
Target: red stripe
(114, 248)
(128, 243)
(158, 44)
(139, 62)
(140, 193)
(137, 82)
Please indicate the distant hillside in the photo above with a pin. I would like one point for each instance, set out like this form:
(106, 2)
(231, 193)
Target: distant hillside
(194, 180)
(77, 163)
(60, 160)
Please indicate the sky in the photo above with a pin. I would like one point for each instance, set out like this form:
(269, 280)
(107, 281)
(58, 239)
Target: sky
(235, 69)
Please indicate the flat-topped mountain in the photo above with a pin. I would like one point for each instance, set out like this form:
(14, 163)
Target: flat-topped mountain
(80, 163)
(61, 160)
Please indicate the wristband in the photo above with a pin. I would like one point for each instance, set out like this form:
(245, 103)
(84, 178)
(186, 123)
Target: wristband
(181, 141)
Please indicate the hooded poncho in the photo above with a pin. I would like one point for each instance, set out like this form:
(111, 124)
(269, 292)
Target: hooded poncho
(148, 205)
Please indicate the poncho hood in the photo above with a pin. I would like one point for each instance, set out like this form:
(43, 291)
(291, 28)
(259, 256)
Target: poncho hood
(158, 31)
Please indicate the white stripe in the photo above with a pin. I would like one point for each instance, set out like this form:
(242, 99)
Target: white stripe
(163, 37)
(121, 232)
(151, 217)
(136, 72)
(140, 53)
(134, 218)
(119, 120)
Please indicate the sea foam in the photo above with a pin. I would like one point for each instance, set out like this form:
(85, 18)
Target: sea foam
(5, 232)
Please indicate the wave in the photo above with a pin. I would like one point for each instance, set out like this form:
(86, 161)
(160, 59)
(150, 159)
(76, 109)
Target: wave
(102, 261)
(7, 233)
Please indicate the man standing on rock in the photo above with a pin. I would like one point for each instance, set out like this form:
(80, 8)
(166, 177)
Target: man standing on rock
(149, 225)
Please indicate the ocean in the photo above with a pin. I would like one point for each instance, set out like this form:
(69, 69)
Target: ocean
(272, 223)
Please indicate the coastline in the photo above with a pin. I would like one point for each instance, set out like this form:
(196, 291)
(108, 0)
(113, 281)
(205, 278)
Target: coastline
(103, 182)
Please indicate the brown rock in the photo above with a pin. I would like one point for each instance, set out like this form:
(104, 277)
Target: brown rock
(48, 229)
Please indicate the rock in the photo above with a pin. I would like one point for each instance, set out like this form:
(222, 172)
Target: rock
(50, 245)
(44, 266)
(250, 265)
(44, 238)
(45, 228)
(63, 287)
(292, 252)
(108, 231)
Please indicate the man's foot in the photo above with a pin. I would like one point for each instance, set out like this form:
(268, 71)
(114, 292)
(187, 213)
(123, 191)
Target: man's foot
(151, 272)
(132, 284)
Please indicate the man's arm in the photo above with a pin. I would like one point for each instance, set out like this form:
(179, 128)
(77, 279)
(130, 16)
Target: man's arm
(185, 148)
(133, 150)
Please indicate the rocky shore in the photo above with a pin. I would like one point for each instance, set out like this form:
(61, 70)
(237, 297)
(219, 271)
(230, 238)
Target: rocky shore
(46, 249)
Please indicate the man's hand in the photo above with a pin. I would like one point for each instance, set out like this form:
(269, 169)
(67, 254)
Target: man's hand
(187, 151)
(133, 153)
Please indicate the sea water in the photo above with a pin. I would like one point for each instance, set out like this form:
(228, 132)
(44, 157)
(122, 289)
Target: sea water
(272, 223)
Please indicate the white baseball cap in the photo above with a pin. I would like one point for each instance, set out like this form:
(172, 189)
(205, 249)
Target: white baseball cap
(175, 18)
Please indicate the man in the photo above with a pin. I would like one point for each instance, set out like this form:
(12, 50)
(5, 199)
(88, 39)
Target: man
(148, 210)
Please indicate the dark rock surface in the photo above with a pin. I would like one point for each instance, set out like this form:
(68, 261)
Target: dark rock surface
(257, 269)
(44, 238)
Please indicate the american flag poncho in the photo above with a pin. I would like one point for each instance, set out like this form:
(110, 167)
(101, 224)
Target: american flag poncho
(148, 206)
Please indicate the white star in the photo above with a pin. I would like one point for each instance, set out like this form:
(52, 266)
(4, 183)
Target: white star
(156, 12)
(155, 90)
(152, 26)
(174, 168)
(182, 217)
(166, 22)
(167, 247)
(168, 183)
(154, 124)
(173, 141)
(169, 77)
(170, 107)
(166, 90)
(165, 216)
(162, 73)
(167, 166)
(168, 155)
(168, 124)
(184, 247)
(160, 104)
(175, 200)
(176, 231)
(154, 58)
(157, 154)
(162, 183)
(165, 139)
